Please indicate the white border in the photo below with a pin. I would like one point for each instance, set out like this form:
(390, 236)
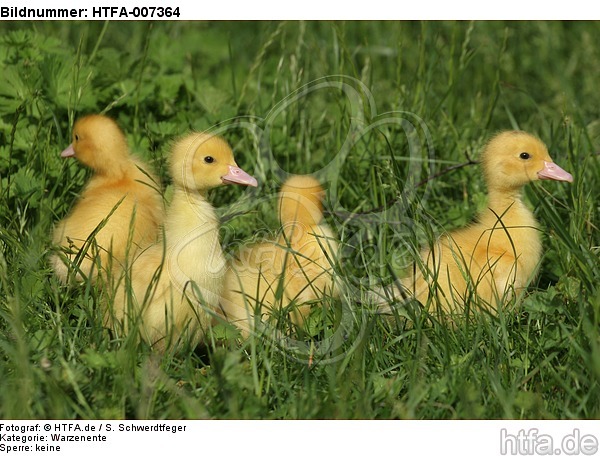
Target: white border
(344, 10)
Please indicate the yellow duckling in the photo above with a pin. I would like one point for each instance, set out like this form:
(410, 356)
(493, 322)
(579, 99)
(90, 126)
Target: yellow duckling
(173, 287)
(496, 257)
(287, 272)
(121, 203)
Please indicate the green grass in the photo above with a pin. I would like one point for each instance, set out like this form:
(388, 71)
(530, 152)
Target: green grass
(372, 109)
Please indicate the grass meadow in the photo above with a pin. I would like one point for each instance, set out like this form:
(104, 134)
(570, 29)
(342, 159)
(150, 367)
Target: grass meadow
(384, 114)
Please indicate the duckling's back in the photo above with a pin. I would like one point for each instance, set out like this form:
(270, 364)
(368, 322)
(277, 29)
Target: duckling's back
(290, 271)
(115, 215)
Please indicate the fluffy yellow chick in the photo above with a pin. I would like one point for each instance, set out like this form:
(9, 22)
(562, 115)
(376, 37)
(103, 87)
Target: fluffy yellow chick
(172, 289)
(496, 257)
(121, 203)
(287, 272)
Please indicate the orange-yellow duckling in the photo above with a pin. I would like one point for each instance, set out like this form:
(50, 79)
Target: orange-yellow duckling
(171, 290)
(287, 272)
(496, 257)
(121, 203)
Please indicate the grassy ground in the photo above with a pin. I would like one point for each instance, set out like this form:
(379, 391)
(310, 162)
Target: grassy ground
(373, 109)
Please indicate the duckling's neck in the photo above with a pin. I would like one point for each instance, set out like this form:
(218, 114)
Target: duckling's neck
(498, 198)
(192, 239)
(106, 162)
(114, 170)
(189, 211)
(507, 204)
(512, 229)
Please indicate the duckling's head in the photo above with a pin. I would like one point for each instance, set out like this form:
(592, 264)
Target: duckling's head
(300, 200)
(513, 158)
(99, 144)
(202, 161)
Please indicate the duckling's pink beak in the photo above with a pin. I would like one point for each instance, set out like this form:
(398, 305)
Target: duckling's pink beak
(68, 152)
(553, 171)
(238, 176)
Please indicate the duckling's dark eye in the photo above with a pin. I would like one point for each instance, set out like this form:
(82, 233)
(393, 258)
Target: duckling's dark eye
(524, 156)
(76, 137)
(208, 159)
